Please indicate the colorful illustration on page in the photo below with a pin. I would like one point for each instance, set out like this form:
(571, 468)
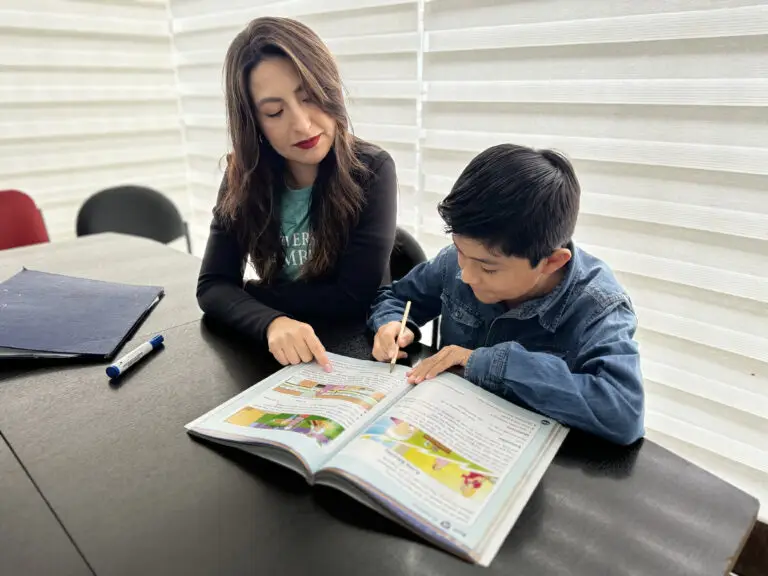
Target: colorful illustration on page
(432, 457)
(321, 429)
(362, 396)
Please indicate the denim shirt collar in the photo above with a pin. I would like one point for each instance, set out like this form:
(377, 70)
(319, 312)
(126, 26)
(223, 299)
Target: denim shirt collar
(550, 307)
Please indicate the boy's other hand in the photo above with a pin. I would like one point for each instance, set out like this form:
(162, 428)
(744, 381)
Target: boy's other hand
(385, 343)
(447, 358)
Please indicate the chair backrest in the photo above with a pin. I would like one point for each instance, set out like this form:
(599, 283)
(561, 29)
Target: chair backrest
(406, 254)
(134, 210)
(21, 223)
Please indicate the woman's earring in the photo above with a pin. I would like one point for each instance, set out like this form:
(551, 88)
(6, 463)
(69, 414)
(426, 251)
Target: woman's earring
(261, 138)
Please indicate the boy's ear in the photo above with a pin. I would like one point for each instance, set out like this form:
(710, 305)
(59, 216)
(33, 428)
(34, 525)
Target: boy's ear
(556, 260)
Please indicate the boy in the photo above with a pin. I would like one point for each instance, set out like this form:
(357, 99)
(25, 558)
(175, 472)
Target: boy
(527, 315)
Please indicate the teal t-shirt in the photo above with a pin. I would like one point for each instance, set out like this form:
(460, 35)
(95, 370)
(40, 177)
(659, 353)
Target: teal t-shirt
(294, 229)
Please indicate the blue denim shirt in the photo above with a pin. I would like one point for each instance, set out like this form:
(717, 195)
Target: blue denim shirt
(569, 354)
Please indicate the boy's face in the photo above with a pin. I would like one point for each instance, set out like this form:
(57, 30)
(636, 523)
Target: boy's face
(495, 277)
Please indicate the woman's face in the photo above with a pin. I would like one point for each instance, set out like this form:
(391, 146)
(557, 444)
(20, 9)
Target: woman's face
(295, 126)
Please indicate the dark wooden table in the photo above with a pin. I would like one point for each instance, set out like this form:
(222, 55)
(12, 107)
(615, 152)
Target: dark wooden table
(139, 496)
(31, 539)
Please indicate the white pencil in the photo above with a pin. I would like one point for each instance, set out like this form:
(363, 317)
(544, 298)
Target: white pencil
(402, 331)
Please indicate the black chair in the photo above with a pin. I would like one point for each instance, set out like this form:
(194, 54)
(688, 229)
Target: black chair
(134, 210)
(406, 254)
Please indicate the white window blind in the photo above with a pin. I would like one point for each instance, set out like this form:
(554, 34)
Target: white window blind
(87, 100)
(662, 106)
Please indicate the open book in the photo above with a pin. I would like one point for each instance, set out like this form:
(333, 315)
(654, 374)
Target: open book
(448, 460)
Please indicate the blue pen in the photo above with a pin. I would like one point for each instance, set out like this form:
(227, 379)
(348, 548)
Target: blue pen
(134, 356)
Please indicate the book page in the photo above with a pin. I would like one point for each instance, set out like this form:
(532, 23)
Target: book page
(448, 453)
(306, 409)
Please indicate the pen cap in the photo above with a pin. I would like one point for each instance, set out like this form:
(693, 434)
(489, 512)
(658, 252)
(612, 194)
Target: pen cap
(156, 341)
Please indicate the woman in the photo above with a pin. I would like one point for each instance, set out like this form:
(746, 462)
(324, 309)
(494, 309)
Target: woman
(312, 206)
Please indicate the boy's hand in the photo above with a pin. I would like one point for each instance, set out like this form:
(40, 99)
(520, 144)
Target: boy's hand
(385, 343)
(448, 357)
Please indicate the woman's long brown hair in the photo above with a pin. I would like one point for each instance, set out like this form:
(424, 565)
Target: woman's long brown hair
(255, 175)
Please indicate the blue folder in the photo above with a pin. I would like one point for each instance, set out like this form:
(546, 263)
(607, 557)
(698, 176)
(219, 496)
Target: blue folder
(46, 315)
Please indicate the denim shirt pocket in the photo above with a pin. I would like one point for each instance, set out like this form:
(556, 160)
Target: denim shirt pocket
(459, 326)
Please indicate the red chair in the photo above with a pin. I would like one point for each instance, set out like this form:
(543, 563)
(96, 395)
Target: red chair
(21, 223)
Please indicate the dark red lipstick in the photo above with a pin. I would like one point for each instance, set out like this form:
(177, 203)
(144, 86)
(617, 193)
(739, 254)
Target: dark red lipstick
(308, 144)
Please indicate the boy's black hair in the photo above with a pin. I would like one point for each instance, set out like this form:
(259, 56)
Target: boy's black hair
(515, 199)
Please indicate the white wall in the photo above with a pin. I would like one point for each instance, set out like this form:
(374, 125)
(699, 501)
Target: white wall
(87, 100)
